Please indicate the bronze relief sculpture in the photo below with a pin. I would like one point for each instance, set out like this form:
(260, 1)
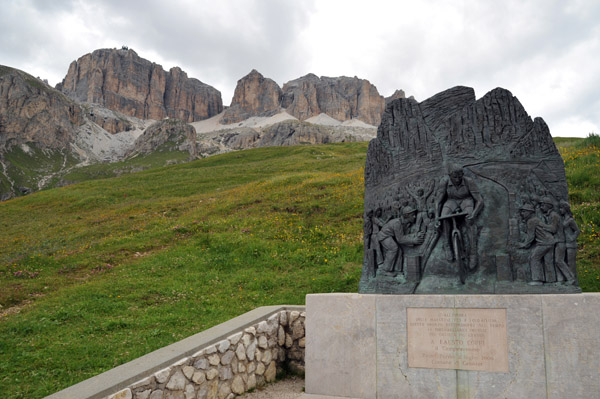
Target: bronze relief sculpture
(466, 196)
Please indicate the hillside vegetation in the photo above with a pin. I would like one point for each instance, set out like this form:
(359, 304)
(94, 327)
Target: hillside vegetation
(99, 273)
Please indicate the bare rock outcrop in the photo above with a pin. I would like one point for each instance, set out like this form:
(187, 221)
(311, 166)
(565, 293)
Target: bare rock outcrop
(254, 95)
(289, 132)
(296, 132)
(33, 112)
(122, 81)
(397, 94)
(342, 98)
(111, 121)
(166, 135)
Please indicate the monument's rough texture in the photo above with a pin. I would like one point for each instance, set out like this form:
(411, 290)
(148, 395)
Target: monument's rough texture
(466, 196)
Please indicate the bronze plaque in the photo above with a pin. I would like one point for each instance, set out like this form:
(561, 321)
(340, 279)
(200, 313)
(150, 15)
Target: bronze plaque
(464, 339)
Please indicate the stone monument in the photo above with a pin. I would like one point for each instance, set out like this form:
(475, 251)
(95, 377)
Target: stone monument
(466, 196)
(466, 201)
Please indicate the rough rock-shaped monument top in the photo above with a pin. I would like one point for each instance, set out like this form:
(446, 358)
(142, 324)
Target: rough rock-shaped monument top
(466, 196)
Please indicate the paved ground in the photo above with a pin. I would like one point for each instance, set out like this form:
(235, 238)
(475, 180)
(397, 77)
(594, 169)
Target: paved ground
(290, 388)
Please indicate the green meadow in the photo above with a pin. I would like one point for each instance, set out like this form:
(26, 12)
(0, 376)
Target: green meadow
(582, 166)
(98, 273)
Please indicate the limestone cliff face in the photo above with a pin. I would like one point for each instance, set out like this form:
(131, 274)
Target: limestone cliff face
(342, 98)
(122, 81)
(189, 99)
(33, 112)
(254, 95)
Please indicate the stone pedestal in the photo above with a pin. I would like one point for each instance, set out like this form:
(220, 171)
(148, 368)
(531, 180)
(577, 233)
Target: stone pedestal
(357, 347)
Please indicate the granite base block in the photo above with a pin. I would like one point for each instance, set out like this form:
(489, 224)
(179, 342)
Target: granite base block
(356, 347)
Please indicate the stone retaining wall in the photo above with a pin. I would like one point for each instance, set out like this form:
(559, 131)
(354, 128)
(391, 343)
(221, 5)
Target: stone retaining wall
(233, 361)
(241, 362)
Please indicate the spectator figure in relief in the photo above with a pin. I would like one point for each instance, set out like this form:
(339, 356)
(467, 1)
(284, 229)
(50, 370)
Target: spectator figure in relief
(458, 193)
(420, 196)
(571, 233)
(560, 251)
(403, 200)
(393, 236)
(430, 221)
(377, 223)
(552, 223)
(541, 237)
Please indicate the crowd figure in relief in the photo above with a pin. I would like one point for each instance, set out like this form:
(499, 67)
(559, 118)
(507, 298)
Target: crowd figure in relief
(551, 237)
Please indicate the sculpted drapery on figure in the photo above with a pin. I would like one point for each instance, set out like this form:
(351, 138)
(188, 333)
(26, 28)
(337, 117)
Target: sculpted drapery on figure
(466, 196)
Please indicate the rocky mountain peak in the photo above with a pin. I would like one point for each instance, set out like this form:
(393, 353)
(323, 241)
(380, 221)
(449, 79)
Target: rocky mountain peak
(310, 77)
(397, 94)
(122, 81)
(254, 95)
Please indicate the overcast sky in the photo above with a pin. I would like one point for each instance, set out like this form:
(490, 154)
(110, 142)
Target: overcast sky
(546, 52)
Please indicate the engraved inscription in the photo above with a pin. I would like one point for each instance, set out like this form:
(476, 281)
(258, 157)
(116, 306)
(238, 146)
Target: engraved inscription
(464, 339)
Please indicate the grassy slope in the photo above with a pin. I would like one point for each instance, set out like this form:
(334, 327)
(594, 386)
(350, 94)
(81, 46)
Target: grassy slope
(104, 170)
(26, 169)
(109, 270)
(135, 263)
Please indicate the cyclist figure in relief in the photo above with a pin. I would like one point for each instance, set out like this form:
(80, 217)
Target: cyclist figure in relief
(458, 193)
